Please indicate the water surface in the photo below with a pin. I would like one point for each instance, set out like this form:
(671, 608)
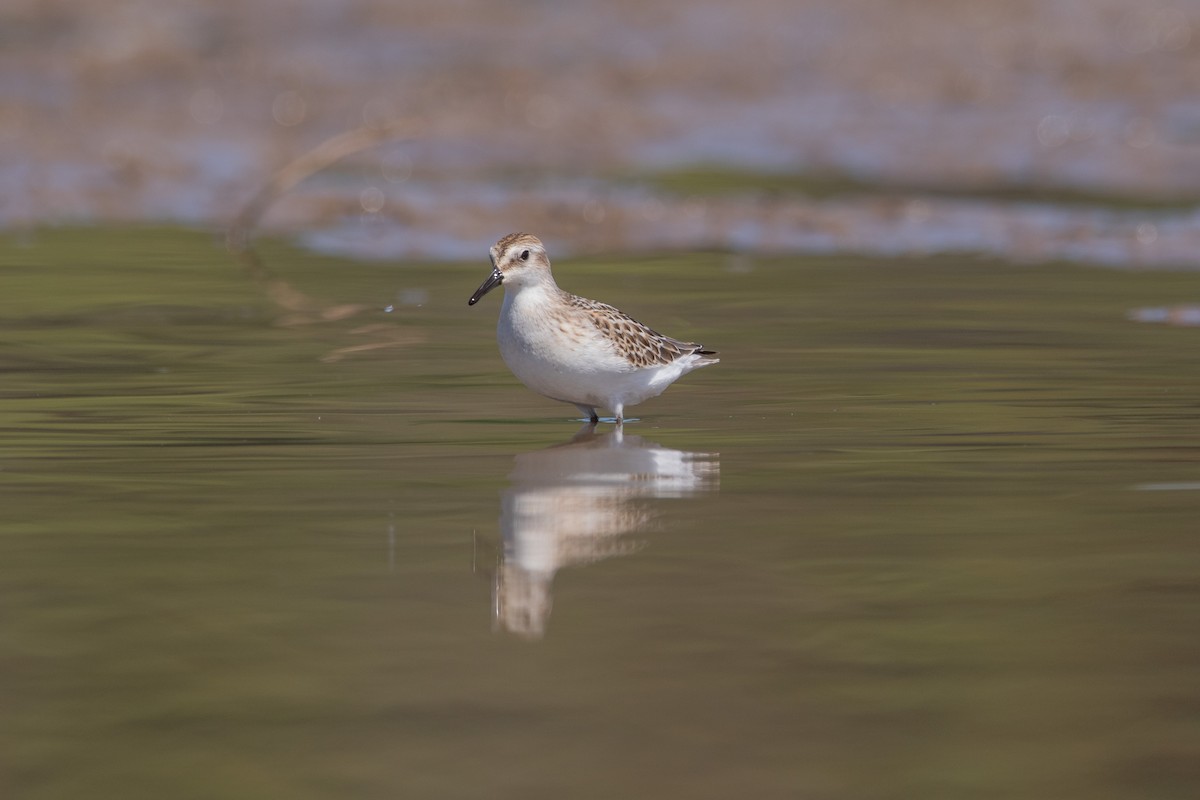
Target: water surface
(928, 530)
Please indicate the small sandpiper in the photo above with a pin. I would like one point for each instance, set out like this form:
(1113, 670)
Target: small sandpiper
(575, 350)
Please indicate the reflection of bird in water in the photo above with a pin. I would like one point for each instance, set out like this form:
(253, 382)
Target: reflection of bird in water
(573, 504)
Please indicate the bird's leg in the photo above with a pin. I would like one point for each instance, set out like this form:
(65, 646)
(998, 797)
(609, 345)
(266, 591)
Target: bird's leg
(588, 412)
(619, 413)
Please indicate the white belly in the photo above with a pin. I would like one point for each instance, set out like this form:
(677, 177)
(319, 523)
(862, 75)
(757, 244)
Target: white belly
(567, 362)
(565, 357)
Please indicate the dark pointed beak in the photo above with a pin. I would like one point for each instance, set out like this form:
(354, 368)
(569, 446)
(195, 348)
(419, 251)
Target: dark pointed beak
(494, 280)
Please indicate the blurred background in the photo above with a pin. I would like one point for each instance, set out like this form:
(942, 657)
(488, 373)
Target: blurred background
(927, 531)
(1029, 129)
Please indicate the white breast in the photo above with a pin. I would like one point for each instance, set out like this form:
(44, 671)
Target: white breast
(556, 351)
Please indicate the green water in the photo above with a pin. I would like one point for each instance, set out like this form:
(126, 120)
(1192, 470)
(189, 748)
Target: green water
(929, 530)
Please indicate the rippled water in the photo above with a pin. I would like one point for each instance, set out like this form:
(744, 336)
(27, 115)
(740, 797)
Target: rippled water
(929, 530)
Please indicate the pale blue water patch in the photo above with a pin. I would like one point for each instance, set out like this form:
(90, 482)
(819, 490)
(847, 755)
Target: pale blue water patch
(1169, 315)
(411, 223)
(219, 160)
(723, 139)
(1183, 122)
(365, 237)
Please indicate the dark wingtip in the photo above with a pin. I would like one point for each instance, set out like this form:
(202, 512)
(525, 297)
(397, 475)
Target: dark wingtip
(706, 352)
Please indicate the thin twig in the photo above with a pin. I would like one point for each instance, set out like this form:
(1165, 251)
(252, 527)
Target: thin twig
(325, 154)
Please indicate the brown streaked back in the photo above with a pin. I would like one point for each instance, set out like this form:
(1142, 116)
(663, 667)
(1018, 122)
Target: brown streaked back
(641, 345)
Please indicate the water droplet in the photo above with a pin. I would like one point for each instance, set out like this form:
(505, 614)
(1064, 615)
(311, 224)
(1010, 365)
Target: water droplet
(397, 169)
(372, 199)
(289, 108)
(593, 212)
(205, 106)
(1054, 130)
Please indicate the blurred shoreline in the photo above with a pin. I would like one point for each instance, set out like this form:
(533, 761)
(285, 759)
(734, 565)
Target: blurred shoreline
(571, 121)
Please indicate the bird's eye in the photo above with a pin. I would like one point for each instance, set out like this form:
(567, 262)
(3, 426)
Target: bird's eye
(524, 255)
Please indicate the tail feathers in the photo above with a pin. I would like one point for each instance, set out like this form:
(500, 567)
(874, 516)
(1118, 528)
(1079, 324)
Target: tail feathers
(704, 362)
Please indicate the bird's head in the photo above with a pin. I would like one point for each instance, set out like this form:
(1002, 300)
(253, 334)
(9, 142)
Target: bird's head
(517, 259)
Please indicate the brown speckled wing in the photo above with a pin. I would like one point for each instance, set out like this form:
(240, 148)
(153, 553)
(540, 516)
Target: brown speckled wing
(642, 346)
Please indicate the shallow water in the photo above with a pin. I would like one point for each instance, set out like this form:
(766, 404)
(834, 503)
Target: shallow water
(928, 530)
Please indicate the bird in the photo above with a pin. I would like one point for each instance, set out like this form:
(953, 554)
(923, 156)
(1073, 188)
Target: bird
(575, 350)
